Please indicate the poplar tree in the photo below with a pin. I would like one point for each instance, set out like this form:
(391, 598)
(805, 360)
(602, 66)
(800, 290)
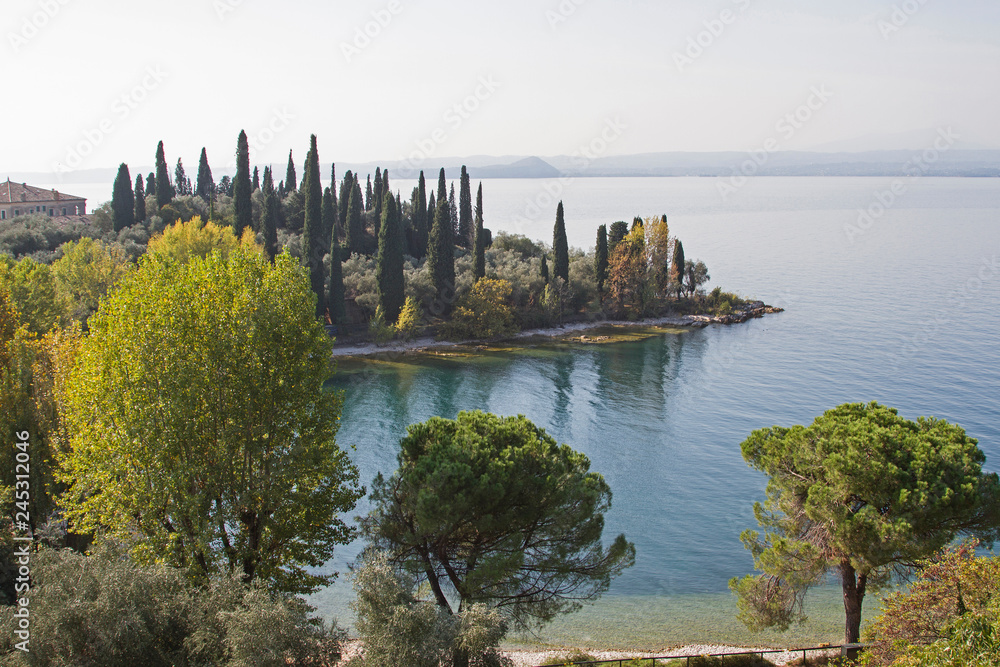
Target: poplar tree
(241, 186)
(290, 182)
(479, 261)
(353, 231)
(180, 178)
(312, 229)
(164, 191)
(337, 294)
(560, 248)
(140, 199)
(205, 187)
(466, 230)
(123, 200)
(601, 257)
(389, 262)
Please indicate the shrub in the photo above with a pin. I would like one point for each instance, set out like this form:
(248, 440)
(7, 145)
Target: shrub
(569, 658)
(409, 319)
(484, 313)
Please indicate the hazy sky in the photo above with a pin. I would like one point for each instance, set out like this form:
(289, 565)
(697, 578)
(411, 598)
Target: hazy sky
(92, 83)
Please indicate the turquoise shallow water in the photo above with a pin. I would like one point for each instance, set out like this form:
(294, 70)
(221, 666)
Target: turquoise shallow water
(907, 313)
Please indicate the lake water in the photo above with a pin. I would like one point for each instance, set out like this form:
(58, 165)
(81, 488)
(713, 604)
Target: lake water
(906, 312)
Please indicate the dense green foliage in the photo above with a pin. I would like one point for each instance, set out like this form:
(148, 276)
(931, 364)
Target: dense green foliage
(859, 492)
(199, 423)
(485, 312)
(492, 510)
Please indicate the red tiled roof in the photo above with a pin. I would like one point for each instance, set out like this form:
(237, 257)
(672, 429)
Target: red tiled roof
(11, 193)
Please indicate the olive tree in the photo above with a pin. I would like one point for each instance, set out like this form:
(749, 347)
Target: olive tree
(200, 431)
(861, 493)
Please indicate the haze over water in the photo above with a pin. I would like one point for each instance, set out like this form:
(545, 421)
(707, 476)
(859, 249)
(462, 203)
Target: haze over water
(905, 313)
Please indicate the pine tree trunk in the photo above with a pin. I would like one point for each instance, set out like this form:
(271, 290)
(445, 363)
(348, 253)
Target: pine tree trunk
(853, 586)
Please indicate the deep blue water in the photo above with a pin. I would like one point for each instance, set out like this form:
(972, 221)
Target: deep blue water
(906, 313)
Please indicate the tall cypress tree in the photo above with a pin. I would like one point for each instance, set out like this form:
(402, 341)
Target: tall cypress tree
(677, 265)
(421, 229)
(560, 248)
(164, 191)
(431, 212)
(617, 232)
(269, 222)
(180, 178)
(389, 262)
(353, 229)
(545, 270)
(241, 186)
(466, 230)
(441, 249)
(123, 200)
(377, 198)
(479, 262)
(344, 201)
(290, 182)
(329, 217)
(333, 193)
(205, 187)
(337, 305)
(601, 257)
(255, 182)
(453, 214)
(313, 248)
(140, 199)
(151, 184)
(385, 184)
(267, 182)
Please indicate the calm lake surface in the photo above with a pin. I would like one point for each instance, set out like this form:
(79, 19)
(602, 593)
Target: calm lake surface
(906, 312)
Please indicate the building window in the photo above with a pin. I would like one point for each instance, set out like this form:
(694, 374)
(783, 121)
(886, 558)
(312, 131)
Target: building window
(17, 212)
(64, 210)
(3, 215)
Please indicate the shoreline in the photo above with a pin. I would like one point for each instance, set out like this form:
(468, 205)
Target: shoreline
(425, 344)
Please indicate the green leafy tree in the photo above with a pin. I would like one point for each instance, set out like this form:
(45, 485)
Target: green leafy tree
(123, 200)
(164, 190)
(290, 180)
(601, 258)
(479, 261)
(560, 247)
(389, 262)
(858, 492)
(205, 187)
(140, 199)
(695, 275)
(628, 285)
(466, 230)
(619, 230)
(85, 274)
(492, 510)
(200, 430)
(242, 206)
(313, 247)
(485, 312)
(32, 287)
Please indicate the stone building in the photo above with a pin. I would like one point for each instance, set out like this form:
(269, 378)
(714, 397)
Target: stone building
(23, 199)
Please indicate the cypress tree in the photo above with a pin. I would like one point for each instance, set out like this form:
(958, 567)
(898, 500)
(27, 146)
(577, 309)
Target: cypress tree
(337, 305)
(353, 229)
(290, 182)
(344, 202)
(453, 215)
(329, 217)
(267, 182)
(313, 248)
(601, 257)
(362, 223)
(431, 212)
(389, 262)
(140, 199)
(560, 248)
(618, 231)
(420, 227)
(241, 186)
(545, 270)
(441, 248)
(385, 183)
(164, 191)
(180, 178)
(466, 230)
(378, 194)
(269, 221)
(123, 200)
(333, 193)
(205, 187)
(256, 179)
(677, 265)
(151, 184)
(479, 262)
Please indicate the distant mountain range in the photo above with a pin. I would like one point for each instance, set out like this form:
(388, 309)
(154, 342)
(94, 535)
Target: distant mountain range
(954, 162)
